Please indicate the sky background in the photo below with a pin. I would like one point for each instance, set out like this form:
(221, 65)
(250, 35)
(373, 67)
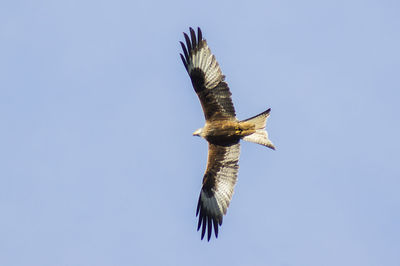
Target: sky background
(98, 165)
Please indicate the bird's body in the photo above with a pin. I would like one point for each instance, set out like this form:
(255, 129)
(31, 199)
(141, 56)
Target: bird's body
(222, 130)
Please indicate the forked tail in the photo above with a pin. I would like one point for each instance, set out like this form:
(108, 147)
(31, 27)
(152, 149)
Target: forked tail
(261, 134)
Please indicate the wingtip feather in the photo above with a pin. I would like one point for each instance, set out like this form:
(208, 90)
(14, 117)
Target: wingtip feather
(203, 229)
(215, 222)
(199, 35)
(184, 62)
(200, 219)
(209, 225)
(193, 37)
(188, 44)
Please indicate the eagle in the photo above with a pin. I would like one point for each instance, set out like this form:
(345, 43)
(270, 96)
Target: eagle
(222, 130)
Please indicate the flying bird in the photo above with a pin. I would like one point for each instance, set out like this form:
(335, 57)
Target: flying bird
(222, 130)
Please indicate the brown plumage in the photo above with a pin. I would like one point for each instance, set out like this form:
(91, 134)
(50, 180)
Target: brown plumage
(222, 131)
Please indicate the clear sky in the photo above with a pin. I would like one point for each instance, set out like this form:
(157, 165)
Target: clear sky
(98, 165)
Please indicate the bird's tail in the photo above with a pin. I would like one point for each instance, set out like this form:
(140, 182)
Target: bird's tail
(261, 134)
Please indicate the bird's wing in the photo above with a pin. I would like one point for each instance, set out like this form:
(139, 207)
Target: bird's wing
(207, 78)
(218, 183)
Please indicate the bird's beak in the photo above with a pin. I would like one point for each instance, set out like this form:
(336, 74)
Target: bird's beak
(197, 132)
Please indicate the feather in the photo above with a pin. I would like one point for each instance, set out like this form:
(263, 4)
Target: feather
(184, 62)
(189, 46)
(193, 37)
(199, 35)
(215, 222)
(186, 54)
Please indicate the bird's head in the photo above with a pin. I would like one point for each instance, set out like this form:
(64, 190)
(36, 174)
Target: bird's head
(198, 132)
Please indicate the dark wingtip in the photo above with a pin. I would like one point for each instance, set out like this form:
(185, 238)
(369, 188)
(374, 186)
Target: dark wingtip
(203, 229)
(185, 52)
(199, 224)
(199, 35)
(184, 62)
(193, 37)
(198, 205)
(209, 225)
(200, 217)
(215, 222)
(188, 44)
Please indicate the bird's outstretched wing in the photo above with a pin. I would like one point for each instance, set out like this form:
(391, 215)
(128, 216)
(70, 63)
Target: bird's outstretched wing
(218, 183)
(207, 78)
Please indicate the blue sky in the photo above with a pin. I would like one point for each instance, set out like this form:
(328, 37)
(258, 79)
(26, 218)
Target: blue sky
(99, 167)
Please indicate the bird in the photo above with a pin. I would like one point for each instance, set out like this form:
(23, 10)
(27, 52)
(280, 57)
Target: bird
(222, 130)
